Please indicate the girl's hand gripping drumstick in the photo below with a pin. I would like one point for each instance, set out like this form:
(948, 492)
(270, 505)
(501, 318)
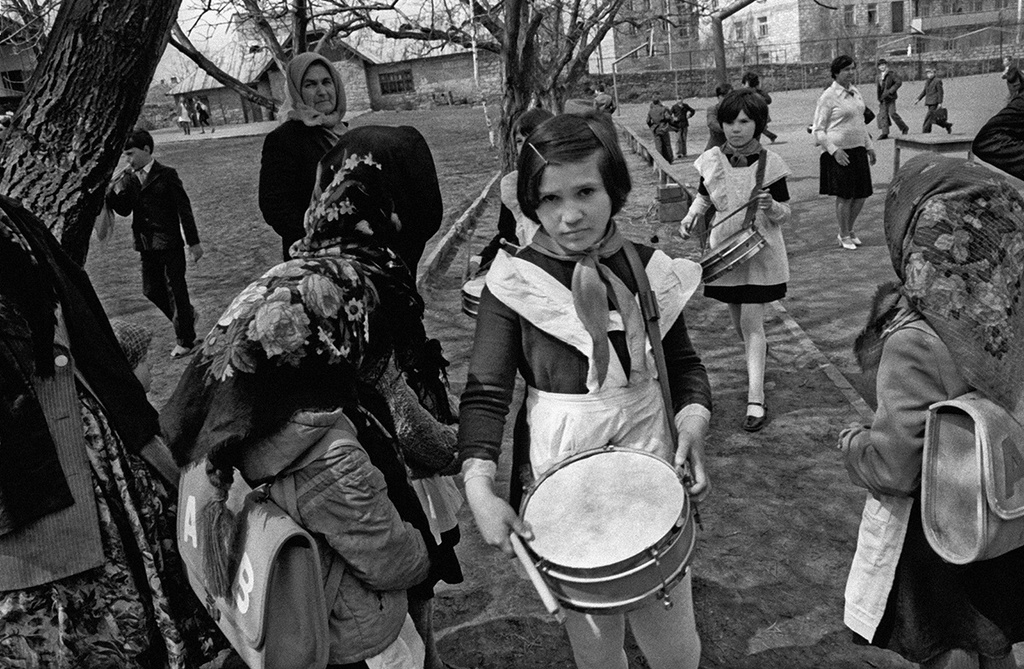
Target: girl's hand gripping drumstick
(550, 603)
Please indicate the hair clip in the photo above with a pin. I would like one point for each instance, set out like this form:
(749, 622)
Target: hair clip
(537, 151)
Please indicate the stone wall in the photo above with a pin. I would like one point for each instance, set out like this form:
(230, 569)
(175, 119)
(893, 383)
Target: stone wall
(438, 81)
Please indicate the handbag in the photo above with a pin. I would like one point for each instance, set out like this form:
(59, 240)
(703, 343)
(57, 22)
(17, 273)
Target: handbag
(941, 115)
(972, 480)
(276, 616)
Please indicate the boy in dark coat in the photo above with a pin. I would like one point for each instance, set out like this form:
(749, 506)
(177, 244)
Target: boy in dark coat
(161, 212)
(888, 83)
(932, 95)
(660, 123)
(681, 113)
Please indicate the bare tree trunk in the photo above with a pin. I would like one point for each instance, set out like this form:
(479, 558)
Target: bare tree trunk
(86, 94)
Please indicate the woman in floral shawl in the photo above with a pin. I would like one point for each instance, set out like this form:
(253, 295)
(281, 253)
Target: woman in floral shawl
(90, 575)
(337, 327)
(954, 323)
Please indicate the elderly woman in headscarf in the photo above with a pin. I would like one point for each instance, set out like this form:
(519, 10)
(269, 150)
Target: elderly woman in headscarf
(313, 113)
(304, 376)
(89, 572)
(950, 325)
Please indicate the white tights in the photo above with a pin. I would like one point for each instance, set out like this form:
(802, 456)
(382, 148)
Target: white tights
(667, 637)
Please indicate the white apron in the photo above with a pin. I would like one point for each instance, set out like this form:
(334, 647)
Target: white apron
(623, 412)
(729, 187)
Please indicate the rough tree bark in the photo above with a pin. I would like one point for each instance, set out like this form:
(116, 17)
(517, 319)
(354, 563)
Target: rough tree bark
(86, 94)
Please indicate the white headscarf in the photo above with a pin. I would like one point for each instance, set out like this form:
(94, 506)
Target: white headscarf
(295, 109)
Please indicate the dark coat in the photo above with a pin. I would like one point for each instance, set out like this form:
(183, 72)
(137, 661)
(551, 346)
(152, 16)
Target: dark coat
(287, 176)
(681, 113)
(658, 119)
(411, 178)
(1000, 142)
(932, 91)
(888, 86)
(160, 209)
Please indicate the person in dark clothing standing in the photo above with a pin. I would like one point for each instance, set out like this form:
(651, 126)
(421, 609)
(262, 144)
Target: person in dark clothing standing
(681, 113)
(888, 83)
(161, 212)
(660, 123)
(1000, 142)
(315, 107)
(932, 95)
(716, 136)
(751, 80)
(1014, 79)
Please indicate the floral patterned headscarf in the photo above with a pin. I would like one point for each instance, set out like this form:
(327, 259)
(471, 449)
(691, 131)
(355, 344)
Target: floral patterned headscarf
(956, 239)
(313, 317)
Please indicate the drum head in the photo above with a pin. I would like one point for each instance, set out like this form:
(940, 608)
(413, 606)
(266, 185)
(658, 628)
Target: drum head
(475, 286)
(603, 508)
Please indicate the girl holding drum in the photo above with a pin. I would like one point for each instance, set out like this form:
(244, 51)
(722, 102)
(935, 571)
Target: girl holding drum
(730, 176)
(563, 313)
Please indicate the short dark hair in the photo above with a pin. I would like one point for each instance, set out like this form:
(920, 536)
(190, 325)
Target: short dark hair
(139, 139)
(571, 138)
(752, 79)
(722, 89)
(600, 88)
(840, 63)
(748, 101)
(530, 119)
(883, 61)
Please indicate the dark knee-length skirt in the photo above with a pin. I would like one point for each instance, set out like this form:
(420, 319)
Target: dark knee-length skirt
(851, 182)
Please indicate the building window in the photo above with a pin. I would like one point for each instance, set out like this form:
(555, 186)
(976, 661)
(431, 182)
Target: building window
(978, 6)
(762, 26)
(396, 82)
(13, 80)
(739, 31)
(847, 15)
(873, 15)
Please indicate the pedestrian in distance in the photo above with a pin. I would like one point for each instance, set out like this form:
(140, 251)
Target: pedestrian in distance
(847, 152)
(203, 114)
(888, 84)
(660, 122)
(949, 325)
(603, 101)
(716, 137)
(932, 95)
(152, 193)
(1014, 78)
(729, 174)
(311, 123)
(184, 117)
(753, 81)
(681, 114)
(573, 179)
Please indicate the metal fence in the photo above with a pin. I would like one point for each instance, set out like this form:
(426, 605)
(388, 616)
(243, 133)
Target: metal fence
(692, 71)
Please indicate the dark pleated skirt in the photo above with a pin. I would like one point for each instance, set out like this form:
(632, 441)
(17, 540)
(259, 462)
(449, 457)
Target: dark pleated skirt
(935, 606)
(852, 182)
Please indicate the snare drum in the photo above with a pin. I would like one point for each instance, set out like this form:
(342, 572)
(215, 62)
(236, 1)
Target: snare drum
(471, 291)
(734, 250)
(612, 529)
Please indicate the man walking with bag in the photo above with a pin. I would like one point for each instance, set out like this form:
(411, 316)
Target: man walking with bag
(660, 123)
(932, 94)
(888, 83)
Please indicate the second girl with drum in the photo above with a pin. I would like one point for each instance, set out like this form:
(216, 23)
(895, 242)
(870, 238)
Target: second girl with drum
(563, 313)
(731, 176)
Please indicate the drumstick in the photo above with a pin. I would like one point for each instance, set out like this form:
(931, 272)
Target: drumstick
(550, 603)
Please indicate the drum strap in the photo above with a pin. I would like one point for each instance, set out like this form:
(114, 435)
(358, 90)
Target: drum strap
(750, 205)
(649, 309)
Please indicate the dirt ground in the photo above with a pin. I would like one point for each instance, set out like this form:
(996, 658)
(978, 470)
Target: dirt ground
(780, 524)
